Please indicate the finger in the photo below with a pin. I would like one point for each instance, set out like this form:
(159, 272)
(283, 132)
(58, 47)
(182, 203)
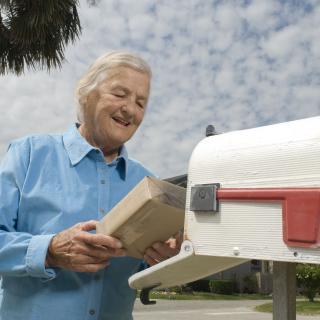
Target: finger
(89, 225)
(101, 240)
(83, 259)
(110, 252)
(94, 267)
(83, 248)
(164, 250)
(153, 254)
(149, 260)
(117, 252)
(175, 241)
(172, 243)
(179, 235)
(96, 251)
(179, 239)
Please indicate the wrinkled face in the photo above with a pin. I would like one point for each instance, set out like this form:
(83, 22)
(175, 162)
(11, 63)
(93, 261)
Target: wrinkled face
(115, 110)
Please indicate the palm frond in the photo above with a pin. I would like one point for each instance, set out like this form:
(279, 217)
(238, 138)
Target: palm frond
(35, 32)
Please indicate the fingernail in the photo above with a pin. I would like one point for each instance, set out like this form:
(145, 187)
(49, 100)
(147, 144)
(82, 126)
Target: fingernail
(118, 244)
(156, 245)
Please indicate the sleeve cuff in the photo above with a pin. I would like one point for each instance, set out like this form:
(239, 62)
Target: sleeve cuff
(36, 257)
(144, 265)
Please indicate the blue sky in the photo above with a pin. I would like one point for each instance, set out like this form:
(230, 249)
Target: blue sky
(234, 64)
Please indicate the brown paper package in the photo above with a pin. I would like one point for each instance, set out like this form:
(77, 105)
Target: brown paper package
(152, 211)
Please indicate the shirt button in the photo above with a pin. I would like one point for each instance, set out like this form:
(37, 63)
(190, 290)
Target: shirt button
(92, 312)
(97, 151)
(102, 181)
(97, 277)
(101, 211)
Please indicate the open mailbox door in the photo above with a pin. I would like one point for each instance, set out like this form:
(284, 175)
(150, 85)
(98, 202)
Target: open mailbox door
(251, 194)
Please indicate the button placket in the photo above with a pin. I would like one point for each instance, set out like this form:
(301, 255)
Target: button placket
(103, 188)
(96, 285)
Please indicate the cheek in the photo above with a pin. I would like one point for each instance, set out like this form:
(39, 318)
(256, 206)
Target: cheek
(105, 108)
(139, 116)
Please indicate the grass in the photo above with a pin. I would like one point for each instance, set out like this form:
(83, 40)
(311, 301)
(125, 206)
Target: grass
(205, 296)
(302, 307)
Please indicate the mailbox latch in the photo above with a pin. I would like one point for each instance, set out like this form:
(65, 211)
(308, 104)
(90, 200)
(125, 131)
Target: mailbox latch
(204, 197)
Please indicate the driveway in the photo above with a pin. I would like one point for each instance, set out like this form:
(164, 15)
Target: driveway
(204, 310)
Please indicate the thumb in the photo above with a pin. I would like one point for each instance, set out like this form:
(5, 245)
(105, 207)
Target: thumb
(89, 225)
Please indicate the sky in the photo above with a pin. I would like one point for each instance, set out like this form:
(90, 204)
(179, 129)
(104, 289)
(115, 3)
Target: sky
(235, 64)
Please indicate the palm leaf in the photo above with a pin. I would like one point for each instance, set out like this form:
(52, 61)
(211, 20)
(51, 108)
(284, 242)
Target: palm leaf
(34, 33)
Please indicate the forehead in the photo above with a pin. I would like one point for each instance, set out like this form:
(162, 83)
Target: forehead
(127, 77)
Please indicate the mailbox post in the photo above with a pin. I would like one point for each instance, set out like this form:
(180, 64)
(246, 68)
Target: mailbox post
(284, 291)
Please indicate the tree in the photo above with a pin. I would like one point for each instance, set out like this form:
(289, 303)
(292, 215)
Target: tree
(34, 33)
(308, 279)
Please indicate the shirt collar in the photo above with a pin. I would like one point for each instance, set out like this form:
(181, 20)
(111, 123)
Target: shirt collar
(77, 148)
(123, 161)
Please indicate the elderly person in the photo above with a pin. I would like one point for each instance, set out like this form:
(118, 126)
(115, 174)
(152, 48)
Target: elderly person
(54, 188)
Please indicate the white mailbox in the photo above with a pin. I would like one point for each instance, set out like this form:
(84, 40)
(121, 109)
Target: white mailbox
(251, 194)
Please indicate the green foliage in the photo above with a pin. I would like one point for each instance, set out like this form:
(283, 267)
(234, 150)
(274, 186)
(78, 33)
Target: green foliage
(205, 296)
(302, 307)
(200, 286)
(35, 32)
(250, 284)
(222, 286)
(214, 286)
(308, 279)
(179, 289)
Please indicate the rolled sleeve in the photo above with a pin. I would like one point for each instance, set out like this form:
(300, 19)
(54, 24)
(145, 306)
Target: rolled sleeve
(36, 257)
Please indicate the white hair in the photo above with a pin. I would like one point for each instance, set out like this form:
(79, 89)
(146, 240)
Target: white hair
(98, 72)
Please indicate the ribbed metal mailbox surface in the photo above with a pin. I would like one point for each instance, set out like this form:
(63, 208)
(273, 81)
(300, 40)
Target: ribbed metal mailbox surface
(279, 157)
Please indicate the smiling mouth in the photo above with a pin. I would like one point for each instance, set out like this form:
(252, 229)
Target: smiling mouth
(121, 121)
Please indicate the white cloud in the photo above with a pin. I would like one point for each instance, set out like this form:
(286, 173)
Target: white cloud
(234, 64)
(227, 17)
(282, 43)
(262, 16)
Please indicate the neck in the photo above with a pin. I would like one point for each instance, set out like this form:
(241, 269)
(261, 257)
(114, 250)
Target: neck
(109, 153)
(110, 156)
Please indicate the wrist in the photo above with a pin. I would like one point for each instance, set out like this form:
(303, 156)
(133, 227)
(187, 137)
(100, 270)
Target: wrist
(49, 263)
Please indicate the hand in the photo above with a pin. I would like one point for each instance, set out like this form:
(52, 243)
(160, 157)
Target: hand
(78, 250)
(161, 251)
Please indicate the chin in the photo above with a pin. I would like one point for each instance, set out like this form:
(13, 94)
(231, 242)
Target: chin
(123, 138)
(118, 141)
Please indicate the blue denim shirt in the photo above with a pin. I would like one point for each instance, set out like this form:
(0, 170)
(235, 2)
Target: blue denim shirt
(49, 183)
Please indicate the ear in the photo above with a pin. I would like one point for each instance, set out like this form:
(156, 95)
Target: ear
(92, 98)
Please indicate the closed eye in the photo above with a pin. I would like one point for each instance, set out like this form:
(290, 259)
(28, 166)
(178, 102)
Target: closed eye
(119, 95)
(140, 104)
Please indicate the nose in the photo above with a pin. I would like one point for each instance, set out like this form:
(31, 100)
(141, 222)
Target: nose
(128, 108)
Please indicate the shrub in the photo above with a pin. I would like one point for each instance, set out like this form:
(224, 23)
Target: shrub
(250, 284)
(222, 286)
(179, 289)
(200, 285)
(308, 279)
